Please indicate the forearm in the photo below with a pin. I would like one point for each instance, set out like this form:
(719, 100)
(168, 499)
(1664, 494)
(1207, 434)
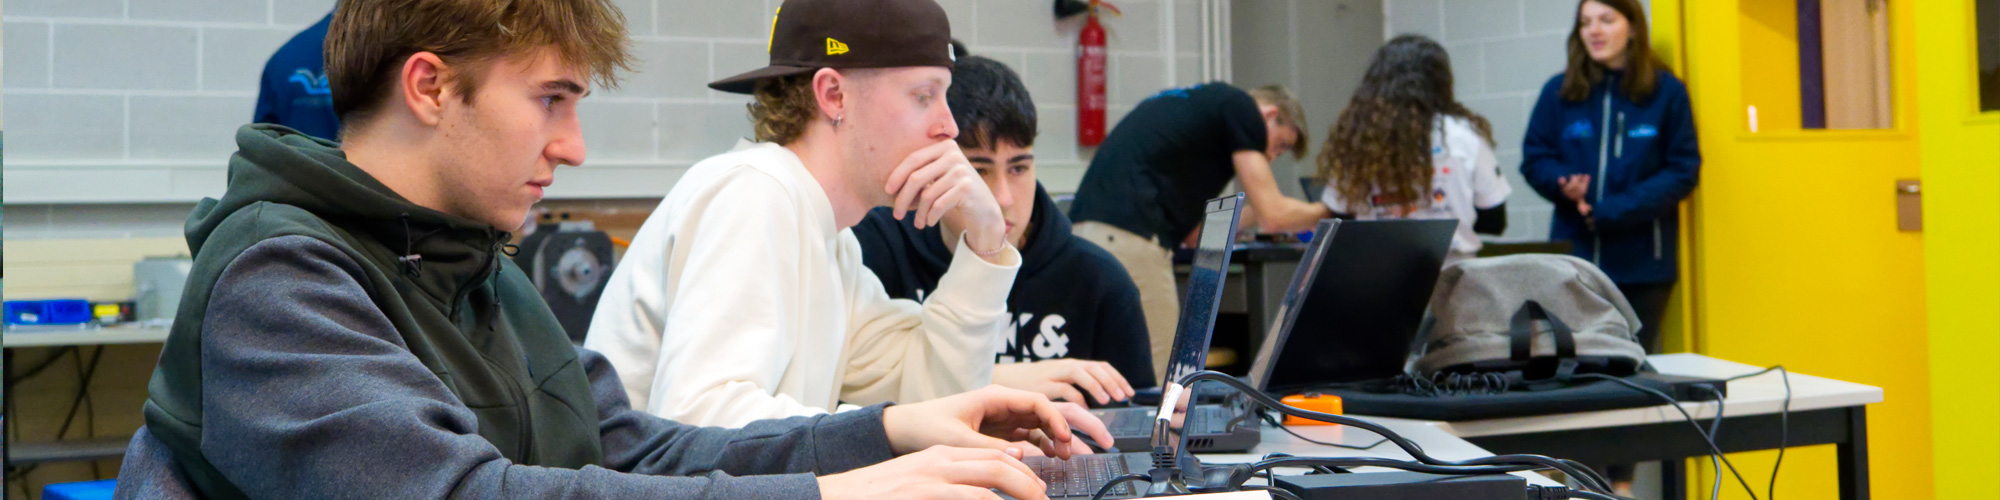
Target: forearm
(908, 352)
(288, 320)
(1269, 208)
(637, 442)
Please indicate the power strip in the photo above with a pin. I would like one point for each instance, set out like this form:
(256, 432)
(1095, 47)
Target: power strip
(1402, 485)
(1689, 389)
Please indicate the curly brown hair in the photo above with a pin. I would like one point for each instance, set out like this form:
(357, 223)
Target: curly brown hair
(784, 106)
(1381, 144)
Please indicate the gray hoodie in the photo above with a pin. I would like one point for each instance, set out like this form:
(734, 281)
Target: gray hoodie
(336, 341)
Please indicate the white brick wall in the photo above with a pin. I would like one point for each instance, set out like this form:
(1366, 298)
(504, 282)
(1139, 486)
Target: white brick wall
(1502, 51)
(122, 109)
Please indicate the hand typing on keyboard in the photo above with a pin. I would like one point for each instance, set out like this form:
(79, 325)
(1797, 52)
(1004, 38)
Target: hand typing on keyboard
(964, 445)
(938, 473)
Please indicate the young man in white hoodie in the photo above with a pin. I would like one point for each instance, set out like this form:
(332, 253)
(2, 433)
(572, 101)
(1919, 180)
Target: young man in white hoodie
(744, 295)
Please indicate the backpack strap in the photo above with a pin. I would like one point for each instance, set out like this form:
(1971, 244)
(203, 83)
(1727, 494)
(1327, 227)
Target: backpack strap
(1521, 334)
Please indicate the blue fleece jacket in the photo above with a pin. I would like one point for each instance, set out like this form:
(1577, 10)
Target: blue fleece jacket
(293, 89)
(1643, 160)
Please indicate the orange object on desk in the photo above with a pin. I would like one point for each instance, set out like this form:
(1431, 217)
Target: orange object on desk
(1323, 403)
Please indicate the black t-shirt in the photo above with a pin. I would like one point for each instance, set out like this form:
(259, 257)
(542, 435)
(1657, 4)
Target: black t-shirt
(1071, 299)
(1169, 155)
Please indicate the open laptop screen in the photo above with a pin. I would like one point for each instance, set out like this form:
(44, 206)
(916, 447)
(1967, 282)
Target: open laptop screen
(1198, 308)
(1356, 316)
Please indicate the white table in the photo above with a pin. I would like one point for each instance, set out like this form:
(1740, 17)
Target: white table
(1429, 435)
(1823, 411)
(92, 336)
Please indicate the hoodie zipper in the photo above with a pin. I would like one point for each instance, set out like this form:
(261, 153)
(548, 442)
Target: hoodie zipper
(1603, 162)
(1618, 148)
(1656, 240)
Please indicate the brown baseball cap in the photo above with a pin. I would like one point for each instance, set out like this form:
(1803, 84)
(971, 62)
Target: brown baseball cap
(811, 34)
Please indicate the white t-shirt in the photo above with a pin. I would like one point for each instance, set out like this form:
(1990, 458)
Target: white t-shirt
(741, 299)
(1467, 179)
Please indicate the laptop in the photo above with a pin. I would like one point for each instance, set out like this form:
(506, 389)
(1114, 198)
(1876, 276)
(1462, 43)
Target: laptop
(1165, 437)
(1353, 307)
(1213, 428)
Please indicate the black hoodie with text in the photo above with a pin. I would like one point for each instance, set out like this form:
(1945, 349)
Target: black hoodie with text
(1070, 300)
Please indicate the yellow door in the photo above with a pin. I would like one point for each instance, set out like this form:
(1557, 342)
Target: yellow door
(1961, 158)
(1797, 259)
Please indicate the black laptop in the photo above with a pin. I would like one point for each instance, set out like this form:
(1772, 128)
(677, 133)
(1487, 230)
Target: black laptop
(1353, 307)
(1166, 437)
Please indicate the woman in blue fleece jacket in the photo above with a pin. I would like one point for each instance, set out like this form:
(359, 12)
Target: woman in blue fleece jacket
(1612, 143)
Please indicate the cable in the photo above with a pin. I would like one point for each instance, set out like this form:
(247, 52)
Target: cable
(39, 367)
(1535, 461)
(1591, 496)
(1590, 474)
(1536, 492)
(1114, 482)
(1274, 491)
(1721, 408)
(1705, 437)
(1784, 423)
(1279, 423)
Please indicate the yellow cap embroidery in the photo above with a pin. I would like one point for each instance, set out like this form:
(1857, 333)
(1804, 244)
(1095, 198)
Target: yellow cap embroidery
(774, 30)
(834, 47)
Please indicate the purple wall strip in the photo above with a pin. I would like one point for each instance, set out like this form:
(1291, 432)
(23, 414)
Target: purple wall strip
(1812, 68)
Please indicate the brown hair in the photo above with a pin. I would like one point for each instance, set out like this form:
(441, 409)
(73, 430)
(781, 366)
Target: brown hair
(370, 40)
(1642, 68)
(1381, 144)
(1290, 113)
(784, 106)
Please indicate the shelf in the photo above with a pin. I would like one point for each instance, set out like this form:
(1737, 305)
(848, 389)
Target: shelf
(96, 336)
(67, 451)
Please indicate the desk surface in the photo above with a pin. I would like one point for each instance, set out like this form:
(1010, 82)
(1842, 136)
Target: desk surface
(1429, 435)
(94, 336)
(1763, 394)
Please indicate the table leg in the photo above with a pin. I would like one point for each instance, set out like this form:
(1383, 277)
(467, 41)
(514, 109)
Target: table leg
(1673, 479)
(1853, 456)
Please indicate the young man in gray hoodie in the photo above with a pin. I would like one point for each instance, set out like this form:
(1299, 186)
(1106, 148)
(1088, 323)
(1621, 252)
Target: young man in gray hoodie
(352, 329)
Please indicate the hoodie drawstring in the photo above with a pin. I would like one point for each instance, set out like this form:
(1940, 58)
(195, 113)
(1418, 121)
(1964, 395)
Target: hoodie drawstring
(412, 262)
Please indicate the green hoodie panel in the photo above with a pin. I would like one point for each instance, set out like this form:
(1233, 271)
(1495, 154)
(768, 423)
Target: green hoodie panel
(440, 280)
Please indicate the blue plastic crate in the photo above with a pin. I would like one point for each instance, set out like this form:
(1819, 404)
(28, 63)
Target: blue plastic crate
(48, 312)
(88, 490)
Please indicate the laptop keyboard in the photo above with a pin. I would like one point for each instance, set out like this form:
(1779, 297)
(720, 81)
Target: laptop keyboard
(1081, 475)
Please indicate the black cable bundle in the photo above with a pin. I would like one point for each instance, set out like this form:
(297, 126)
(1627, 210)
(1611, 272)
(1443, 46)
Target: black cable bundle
(1239, 475)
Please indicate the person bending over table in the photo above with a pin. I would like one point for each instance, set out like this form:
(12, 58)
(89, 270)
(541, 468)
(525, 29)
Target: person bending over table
(1144, 190)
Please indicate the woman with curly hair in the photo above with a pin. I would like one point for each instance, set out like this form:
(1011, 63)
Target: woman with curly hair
(1406, 149)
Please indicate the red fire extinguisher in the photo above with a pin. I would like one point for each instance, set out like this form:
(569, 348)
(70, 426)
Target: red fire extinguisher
(1091, 56)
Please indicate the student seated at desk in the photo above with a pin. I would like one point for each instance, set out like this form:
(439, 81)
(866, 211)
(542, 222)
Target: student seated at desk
(1071, 303)
(1405, 148)
(352, 327)
(743, 295)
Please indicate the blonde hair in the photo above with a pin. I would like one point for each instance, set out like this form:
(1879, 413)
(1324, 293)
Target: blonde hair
(370, 40)
(1290, 113)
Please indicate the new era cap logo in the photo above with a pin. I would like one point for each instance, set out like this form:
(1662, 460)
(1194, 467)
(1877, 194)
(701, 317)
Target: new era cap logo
(834, 47)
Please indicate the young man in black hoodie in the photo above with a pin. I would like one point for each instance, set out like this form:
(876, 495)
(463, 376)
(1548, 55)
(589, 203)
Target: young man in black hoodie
(352, 329)
(1076, 313)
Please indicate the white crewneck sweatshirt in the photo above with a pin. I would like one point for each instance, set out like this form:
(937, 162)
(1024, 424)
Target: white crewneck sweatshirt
(741, 299)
